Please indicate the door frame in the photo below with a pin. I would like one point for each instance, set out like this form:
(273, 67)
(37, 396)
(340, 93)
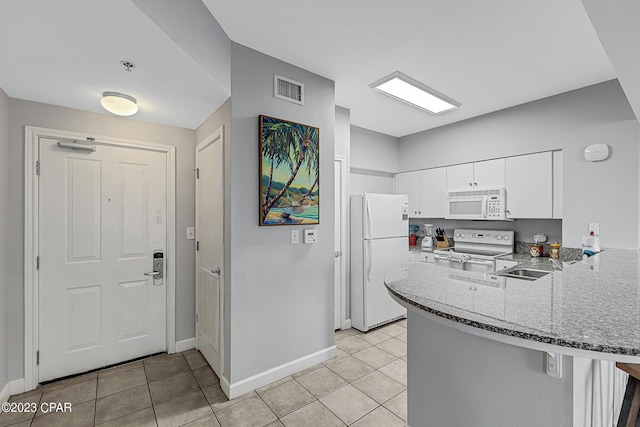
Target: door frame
(218, 134)
(31, 221)
(343, 243)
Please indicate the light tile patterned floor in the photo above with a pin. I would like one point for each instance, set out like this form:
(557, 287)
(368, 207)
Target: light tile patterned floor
(364, 386)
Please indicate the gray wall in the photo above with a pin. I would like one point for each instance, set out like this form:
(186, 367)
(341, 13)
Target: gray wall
(374, 161)
(4, 189)
(343, 148)
(604, 192)
(222, 117)
(281, 294)
(459, 379)
(22, 113)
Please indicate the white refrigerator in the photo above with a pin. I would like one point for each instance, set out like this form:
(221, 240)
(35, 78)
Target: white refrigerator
(379, 242)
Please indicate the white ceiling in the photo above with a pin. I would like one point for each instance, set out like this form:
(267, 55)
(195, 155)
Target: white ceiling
(487, 55)
(68, 52)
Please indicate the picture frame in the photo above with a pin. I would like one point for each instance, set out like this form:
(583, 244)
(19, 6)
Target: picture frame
(289, 179)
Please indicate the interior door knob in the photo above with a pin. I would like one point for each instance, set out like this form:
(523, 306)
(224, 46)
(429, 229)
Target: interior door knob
(337, 254)
(216, 271)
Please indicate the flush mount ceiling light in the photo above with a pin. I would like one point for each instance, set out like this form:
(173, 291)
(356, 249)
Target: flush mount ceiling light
(119, 103)
(406, 89)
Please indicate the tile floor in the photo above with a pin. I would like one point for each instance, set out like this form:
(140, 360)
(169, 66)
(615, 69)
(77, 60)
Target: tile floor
(363, 386)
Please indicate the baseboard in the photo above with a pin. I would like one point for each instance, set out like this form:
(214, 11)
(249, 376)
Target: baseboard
(11, 388)
(5, 393)
(225, 386)
(267, 377)
(184, 345)
(347, 324)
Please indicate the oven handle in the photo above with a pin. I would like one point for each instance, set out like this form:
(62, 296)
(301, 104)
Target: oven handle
(444, 257)
(473, 261)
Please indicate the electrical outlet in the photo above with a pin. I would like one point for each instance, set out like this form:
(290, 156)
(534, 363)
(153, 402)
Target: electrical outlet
(191, 233)
(295, 237)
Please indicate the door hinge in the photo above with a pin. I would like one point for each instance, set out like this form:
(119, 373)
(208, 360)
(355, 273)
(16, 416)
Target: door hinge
(38, 357)
(197, 173)
(37, 167)
(38, 262)
(197, 246)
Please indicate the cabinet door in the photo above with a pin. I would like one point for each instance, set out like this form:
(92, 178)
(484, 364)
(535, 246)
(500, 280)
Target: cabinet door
(407, 183)
(489, 174)
(529, 183)
(489, 301)
(460, 294)
(432, 188)
(460, 177)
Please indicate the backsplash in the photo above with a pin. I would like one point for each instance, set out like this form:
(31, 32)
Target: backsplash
(566, 254)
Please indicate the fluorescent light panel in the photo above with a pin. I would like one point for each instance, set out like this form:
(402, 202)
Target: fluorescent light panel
(406, 89)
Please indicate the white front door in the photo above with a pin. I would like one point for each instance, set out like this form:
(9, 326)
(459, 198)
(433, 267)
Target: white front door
(102, 217)
(210, 249)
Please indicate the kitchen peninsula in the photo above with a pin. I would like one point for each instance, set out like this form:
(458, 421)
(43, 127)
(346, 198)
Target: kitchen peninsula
(477, 342)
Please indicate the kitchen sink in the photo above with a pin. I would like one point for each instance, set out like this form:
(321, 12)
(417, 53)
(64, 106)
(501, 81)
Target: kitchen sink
(523, 273)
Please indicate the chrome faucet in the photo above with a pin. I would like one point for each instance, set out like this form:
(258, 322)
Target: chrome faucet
(557, 264)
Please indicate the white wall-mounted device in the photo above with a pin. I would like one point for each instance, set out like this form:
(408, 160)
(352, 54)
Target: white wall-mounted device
(310, 235)
(596, 152)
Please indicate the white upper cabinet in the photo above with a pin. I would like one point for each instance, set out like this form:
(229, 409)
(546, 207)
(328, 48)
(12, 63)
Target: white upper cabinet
(460, 177)
(529, 183)
(407, 183)
(432, 188)
(484, 175)
(489, 174)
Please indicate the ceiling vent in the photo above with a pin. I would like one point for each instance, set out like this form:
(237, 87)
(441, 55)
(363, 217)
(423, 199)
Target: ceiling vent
(287, 89)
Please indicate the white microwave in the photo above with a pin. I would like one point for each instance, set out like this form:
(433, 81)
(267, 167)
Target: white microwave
(477, 204)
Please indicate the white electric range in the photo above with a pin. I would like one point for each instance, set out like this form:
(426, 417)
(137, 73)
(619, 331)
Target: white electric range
(476, 250)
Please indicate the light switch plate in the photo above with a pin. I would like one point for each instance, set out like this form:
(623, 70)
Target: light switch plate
(295, 237)
(191, 233)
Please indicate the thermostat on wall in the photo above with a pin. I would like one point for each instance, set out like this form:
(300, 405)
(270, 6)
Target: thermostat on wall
(310, 235)
(596, 152)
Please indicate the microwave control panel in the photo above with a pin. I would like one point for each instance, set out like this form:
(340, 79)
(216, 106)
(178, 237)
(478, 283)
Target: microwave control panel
(495, 208)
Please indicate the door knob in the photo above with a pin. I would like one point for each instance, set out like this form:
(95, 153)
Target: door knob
(216, 271)
(337, 254)
(152, 273)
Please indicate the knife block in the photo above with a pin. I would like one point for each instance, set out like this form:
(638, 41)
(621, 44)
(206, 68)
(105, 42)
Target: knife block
(443, 244)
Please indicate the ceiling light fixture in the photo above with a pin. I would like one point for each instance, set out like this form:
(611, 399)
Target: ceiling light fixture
(414, 93)
(119, 103)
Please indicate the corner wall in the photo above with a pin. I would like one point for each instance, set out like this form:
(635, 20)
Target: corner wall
(281, 295)
(23, 113)
(605, 192)
(374, 161)
(4, 189)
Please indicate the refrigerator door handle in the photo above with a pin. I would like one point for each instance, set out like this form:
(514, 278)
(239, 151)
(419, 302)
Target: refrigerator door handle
(370, 259)
(368, 235)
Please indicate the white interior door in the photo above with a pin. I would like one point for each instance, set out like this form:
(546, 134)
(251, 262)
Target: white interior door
(102, 217)
(210, 249)
(338, 249)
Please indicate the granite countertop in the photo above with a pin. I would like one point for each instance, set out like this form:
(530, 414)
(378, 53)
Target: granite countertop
(593, 305)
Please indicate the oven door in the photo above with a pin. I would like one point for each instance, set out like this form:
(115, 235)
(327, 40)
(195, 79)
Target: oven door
(480, 265)
(466, 207)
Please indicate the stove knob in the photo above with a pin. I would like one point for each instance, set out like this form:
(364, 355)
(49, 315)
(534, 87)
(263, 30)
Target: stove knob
(505, 237)
(499, 237)
(457, 234)
(463, 235)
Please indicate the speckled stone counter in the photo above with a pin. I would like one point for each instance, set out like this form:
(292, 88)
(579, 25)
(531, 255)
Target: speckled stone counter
(590, 306)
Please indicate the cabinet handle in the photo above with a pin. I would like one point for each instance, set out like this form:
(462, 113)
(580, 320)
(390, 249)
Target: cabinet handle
(470, 185)
(475, 183)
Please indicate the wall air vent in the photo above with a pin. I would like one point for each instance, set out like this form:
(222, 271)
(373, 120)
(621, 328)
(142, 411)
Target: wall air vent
(287, 89)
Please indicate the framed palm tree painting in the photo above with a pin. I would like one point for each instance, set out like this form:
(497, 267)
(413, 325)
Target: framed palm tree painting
(289, 172)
